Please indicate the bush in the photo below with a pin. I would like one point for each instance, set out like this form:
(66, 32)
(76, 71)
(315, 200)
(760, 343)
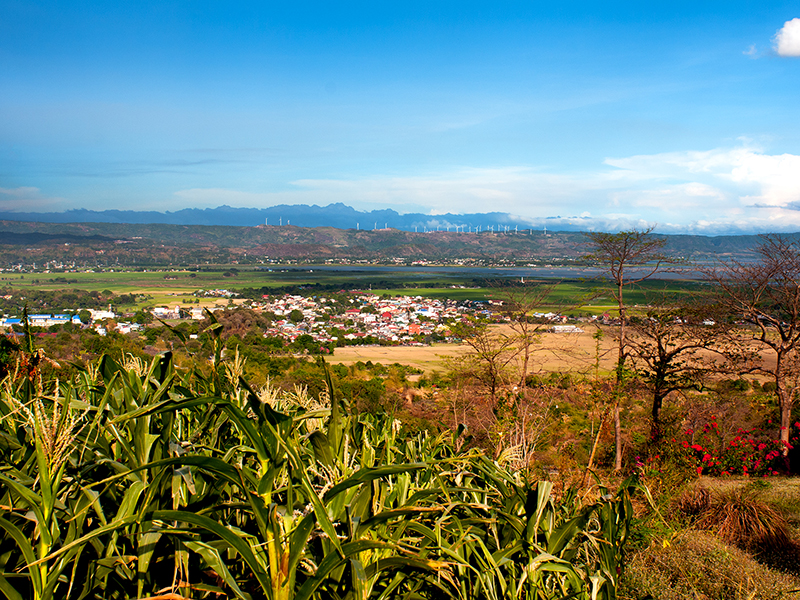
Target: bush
(534, 381)
(741, 385)
(694, 501)
(741, 517)
(699, 565)
(750, 452)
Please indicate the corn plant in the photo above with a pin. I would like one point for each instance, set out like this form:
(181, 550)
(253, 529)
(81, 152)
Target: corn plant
(135, 480)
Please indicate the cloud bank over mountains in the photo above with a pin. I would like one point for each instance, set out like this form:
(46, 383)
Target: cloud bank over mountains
(739, 189)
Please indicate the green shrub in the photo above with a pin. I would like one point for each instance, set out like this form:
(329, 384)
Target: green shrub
(741, 385)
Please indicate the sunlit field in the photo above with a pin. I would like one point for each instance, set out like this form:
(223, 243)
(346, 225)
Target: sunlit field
(164, 287)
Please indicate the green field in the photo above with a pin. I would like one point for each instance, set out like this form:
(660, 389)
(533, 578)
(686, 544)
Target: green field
(165, 287)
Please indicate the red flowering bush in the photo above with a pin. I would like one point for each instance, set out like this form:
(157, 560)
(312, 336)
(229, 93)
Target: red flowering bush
(750, 452)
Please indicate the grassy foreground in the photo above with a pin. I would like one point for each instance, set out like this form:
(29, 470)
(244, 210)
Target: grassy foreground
(134, 480)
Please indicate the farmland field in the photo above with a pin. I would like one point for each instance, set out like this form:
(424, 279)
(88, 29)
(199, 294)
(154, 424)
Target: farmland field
(168, 286)
(555, 352)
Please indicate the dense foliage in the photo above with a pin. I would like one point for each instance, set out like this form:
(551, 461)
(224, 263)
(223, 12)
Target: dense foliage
(132, 480)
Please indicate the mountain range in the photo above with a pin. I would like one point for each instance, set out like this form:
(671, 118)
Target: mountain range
(336, 215)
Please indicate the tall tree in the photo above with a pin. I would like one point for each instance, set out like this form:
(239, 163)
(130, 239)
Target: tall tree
(627, 258)
(766, 294)
(674, 347)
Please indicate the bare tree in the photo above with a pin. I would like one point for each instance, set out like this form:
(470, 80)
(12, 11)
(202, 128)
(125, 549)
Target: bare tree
(766, 294)
(627, 258)
(519, 302)
(491, 354)
(675, 348)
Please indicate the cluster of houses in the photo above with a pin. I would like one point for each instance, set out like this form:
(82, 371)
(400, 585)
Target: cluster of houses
(47, 320)
(218, 293)
(98, 321)
(400, 319)
(371, 317)
(364, 318)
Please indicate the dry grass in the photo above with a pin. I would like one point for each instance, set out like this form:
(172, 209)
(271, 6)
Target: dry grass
(781, 492)
(554, 352)
(427, 358)
(741, 518)
(694, 501)
(700, 565)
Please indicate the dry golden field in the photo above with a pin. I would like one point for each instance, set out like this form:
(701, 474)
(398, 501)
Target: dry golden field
(576, 353)
(560, 352)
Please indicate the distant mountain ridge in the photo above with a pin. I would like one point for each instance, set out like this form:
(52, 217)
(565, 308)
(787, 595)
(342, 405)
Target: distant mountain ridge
(312, 233)
(337, 215)
(23, 242)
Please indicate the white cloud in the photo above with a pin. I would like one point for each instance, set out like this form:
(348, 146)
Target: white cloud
(510, 189)
(787, 40)
(744, 175)
(739, 189)
(28, 199)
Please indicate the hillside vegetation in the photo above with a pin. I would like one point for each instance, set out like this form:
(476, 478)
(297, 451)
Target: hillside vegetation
(158, 244)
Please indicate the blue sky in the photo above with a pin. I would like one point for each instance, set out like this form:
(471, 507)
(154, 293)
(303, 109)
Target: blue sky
(681, 114)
